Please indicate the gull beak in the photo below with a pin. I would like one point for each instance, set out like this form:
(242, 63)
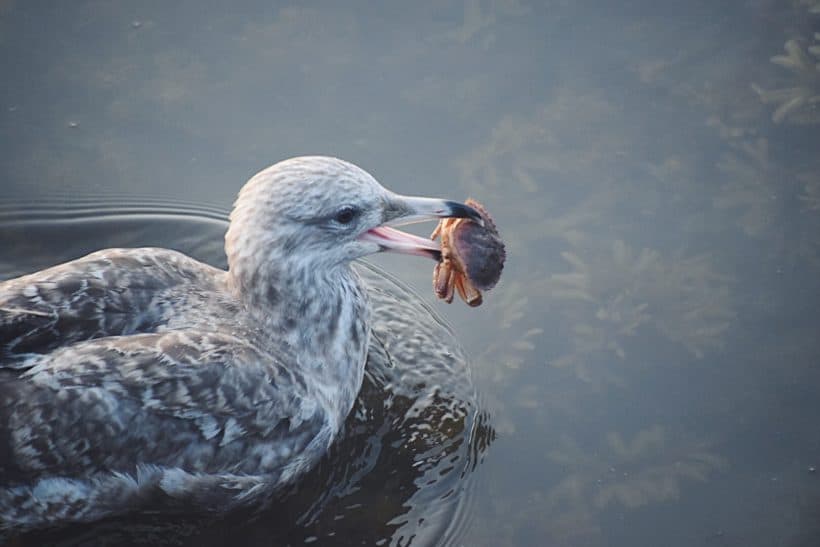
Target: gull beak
(401, 210)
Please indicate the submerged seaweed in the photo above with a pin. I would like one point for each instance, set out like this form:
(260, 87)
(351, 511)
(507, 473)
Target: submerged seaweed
(615, 295)
(800, 102)
(750, 185)
(648, 468)
(617, 475)
(811, 191)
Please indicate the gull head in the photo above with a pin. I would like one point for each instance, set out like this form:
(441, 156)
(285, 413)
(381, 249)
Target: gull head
(320, 213)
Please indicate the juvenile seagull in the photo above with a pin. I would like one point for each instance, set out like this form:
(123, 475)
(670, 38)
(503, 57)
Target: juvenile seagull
(136, 374)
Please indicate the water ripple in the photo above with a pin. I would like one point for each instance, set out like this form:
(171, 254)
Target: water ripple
(73, 208)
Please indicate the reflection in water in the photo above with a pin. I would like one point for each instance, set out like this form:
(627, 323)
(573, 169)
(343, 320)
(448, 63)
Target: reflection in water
(400, 470)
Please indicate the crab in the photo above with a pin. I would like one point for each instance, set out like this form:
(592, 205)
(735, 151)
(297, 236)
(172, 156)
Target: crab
(472, 257)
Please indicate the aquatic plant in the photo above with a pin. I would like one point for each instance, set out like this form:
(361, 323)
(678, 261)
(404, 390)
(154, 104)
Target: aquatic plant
(616, 294)
(650, 467)
(750, 185)
(501, 359)
(811, 191)
(619, 473)
(547, 176)
(798, 103)
(480, 20)
(812, 6)
(530, 162)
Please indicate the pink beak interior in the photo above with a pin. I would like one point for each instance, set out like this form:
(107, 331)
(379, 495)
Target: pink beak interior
(396, 241)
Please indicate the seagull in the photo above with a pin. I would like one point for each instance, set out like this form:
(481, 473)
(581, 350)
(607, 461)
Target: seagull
(130, 376)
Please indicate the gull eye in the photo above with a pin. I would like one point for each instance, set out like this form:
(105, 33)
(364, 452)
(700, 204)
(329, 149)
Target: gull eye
(346, 214)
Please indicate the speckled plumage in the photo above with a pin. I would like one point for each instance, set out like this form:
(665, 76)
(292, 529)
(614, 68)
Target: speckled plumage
(131, 375)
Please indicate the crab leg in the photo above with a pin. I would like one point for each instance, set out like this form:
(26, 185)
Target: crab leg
(444, 280)
(466, 291)
(437, 231)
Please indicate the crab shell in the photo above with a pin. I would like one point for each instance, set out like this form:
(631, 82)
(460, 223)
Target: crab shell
(472, 257)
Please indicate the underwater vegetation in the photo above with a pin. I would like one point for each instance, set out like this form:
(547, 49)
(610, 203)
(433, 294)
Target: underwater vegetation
(614, 295)
(649, 467)
(798, 103)
(615, 474)
(623, 473)
(564, 169)
(811, 192)
(750, 185)
(530, 165)
(812, 6)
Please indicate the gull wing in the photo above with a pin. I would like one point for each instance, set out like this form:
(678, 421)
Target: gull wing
(191, 413)
(107, 293)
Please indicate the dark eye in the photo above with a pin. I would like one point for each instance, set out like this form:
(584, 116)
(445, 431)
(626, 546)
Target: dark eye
(346, 215)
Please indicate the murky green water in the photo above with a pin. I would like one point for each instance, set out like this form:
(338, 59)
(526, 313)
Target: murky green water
(650, 357)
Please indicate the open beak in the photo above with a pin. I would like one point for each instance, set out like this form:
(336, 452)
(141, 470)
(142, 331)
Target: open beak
(401, 210)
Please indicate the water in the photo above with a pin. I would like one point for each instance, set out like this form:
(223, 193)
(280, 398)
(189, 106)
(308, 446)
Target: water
(649, 359)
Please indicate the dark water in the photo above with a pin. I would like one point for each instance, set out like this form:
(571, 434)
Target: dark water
(650, 360)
